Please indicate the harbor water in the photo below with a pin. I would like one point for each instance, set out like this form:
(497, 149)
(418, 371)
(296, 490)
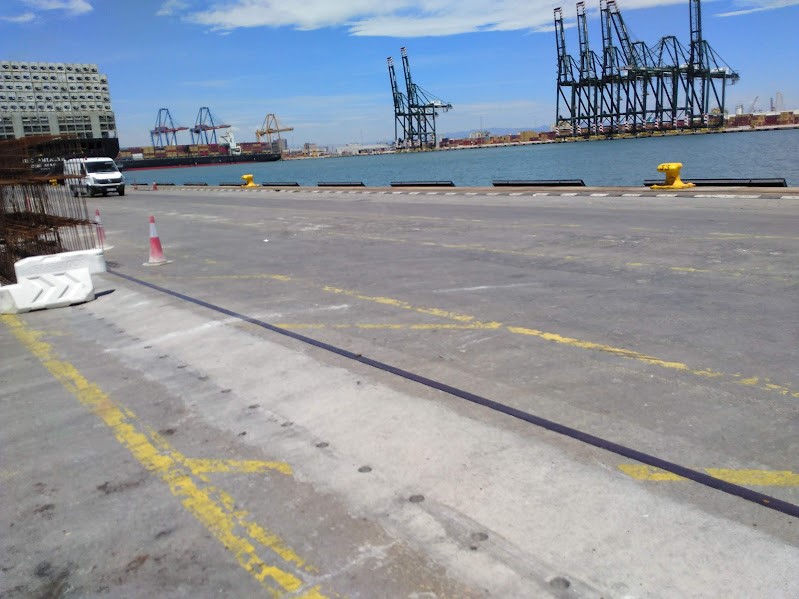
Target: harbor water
(625, 162)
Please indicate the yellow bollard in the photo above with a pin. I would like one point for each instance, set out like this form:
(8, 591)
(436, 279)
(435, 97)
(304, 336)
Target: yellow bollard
(673, 181)
(248, 182)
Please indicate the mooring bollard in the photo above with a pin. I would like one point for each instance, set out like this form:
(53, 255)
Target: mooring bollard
(673, 181)
(248, 181)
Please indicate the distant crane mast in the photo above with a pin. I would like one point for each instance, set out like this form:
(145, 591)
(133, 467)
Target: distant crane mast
(400, 104)
(567, 91)
(205, 123)
(164, 133)
(271, 125)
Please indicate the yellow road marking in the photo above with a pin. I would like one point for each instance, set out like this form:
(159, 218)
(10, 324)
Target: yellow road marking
(213, 507)
(202, 466)
(755, 478)
(388, 301)
(737, 378)
(688, 269)
(736, 236)
(7, 474)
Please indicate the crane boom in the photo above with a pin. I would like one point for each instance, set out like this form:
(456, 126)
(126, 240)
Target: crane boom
(271, 125)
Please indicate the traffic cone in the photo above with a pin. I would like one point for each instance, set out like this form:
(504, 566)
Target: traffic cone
(155, 186)
(156, 253)
(101, 242)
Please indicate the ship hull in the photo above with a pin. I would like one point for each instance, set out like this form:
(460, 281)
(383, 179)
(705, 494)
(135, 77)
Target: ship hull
(184, 161)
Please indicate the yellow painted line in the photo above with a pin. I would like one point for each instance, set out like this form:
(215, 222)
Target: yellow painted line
(688, 269)
(388, 301)
(214, 508)
(752, 478)
(7, 474)
(202, 466)
(763, 384)
(618, 351)
(736, 236)
(708, 373)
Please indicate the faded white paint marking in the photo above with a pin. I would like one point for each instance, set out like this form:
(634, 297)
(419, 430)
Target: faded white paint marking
(483, 287)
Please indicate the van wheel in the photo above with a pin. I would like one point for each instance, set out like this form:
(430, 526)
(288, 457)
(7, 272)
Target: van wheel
(105, 193)
(74, 191)
(121, 190)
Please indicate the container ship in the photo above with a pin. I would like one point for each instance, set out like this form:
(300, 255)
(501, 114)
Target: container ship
(148, 157)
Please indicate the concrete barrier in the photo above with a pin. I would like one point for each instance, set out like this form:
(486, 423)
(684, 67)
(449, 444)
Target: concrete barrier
(47, 290)
(93, 260)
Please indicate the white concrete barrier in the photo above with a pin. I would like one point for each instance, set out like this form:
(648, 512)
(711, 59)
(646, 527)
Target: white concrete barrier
(47, 290)
(93, 260)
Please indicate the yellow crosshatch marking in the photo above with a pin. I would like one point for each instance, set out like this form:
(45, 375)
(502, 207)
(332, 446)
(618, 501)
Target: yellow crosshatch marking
(186, 477)
(763, 384)
(754, 478)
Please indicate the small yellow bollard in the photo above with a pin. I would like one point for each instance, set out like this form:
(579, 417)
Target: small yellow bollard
(248, 182)
(673, 181)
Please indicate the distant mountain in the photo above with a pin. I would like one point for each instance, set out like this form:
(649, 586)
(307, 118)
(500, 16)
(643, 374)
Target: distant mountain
(494, 131)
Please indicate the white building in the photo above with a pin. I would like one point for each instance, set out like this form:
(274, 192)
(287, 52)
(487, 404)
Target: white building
(45, 98)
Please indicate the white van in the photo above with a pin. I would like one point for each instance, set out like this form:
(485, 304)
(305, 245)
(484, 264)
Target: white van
(92, 176)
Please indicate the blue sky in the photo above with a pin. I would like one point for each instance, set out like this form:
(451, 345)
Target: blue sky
(320, 65)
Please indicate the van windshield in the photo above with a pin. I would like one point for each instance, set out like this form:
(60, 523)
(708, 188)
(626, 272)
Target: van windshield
(106, 166)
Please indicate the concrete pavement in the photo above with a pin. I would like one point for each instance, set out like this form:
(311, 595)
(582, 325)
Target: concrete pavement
(321, 475)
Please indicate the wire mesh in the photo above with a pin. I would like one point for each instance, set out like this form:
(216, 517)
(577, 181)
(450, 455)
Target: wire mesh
(38, 214)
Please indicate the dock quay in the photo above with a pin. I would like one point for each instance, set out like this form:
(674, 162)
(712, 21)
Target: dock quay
(413, 391)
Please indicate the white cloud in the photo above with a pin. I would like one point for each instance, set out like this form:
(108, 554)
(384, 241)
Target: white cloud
(750, 6)
(403, 18)
(23, 18)
(71, 7)
(397, 18)
(171, 7)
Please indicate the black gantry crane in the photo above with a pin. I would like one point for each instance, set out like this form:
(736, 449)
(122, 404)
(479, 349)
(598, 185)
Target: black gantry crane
(636, 88)
(400, 106)
(565, 119)
(165, 132)
(205, 122)
(415, 112)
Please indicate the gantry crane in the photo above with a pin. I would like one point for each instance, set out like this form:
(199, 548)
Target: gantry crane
(270, 125)
(416, 111)
(164, 133)
(635, 87)
(566, 104)
(205, 123)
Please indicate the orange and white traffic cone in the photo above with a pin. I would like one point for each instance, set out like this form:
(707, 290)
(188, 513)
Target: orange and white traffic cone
(101, 242)
(156, 253)
(155, 186)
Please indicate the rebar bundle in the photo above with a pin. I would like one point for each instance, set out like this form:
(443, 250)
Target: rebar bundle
(38, 215)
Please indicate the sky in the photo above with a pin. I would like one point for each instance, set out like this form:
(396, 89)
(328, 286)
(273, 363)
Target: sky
(320, 65)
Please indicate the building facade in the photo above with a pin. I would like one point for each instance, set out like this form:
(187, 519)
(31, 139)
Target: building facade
(45, 98)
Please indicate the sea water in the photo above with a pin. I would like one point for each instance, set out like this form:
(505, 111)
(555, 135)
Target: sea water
(627, 162)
